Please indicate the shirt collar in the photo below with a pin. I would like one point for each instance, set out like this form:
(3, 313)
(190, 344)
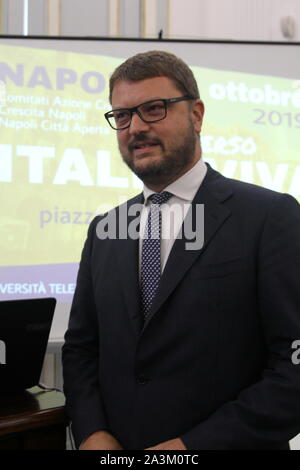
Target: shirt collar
(186, 186)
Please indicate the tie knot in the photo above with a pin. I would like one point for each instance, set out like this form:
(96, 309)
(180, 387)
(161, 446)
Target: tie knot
(160, 198)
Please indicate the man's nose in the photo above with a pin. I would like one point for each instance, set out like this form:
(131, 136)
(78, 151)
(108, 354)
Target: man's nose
(137, 125)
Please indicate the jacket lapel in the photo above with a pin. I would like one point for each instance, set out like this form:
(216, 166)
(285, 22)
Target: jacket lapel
(128, 263)
(211, 194)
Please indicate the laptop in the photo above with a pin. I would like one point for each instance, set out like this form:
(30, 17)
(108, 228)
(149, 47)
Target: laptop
(24, 331)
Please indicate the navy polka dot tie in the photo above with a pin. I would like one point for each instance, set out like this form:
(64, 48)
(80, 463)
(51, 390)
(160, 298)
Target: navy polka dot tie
(151, 264)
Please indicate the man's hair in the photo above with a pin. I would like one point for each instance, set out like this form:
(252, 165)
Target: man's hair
(156, 64)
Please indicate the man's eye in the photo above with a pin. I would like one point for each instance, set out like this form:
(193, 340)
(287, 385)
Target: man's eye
(121, 116)
(154, 108)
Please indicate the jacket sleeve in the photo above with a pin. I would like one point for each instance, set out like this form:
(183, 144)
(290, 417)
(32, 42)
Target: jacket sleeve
(267, 413)
(80, 355)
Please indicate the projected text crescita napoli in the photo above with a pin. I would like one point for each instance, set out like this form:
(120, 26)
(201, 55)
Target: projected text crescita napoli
(90, 81)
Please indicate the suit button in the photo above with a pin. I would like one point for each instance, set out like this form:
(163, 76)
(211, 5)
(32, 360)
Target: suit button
(142, 380)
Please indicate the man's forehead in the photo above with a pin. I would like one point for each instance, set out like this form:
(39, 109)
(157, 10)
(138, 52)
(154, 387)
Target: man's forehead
(131, 93)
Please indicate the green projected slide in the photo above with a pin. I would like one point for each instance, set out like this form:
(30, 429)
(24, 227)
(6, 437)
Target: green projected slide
(60, 165)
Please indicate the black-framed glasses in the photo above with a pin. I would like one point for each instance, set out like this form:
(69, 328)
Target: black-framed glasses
(150, 111)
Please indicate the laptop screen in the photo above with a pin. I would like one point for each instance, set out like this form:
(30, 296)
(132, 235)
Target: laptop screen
(24, 331)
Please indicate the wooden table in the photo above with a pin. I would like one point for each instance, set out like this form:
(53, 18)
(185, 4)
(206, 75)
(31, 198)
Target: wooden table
(33, 420)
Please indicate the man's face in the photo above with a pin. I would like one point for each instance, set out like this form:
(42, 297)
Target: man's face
(161, 151)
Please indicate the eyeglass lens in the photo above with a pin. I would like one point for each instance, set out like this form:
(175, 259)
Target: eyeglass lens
(152, 111)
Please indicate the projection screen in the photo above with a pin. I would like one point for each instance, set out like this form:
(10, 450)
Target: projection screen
(59, 160)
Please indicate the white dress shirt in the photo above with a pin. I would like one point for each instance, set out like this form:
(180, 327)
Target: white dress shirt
(174, 211)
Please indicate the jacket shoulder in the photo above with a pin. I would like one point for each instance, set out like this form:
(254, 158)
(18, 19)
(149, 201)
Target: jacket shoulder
(245, 191)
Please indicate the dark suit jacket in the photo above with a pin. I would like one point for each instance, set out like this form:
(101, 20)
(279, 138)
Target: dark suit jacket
(212, 364)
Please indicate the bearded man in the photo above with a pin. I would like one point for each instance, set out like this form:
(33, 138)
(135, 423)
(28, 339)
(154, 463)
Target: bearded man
(175, 344)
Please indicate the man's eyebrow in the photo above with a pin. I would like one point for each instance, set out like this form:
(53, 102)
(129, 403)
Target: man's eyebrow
(128, 107)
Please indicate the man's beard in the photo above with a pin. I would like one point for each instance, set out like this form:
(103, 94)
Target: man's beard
(171, 165)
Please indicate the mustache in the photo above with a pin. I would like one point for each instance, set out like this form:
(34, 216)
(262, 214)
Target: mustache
(142, 140)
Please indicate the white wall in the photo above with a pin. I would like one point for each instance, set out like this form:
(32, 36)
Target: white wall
(84, 18)
(184, 19)
(232, 19)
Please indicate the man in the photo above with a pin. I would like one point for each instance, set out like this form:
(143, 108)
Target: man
(198, 357)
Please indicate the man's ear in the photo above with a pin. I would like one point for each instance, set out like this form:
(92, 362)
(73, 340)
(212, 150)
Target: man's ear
(197, 115)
